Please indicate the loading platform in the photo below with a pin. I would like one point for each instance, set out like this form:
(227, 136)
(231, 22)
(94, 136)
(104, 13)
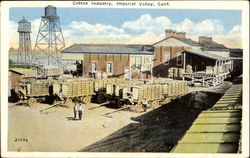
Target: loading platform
(217, 130)
(208, 80)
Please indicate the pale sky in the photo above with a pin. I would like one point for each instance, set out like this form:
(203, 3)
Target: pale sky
(134, 26)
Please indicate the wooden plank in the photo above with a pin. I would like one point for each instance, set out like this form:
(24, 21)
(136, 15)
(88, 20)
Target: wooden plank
(206, 148)
(221, 111)
(215, 128)
(229, 114)
(210, 138)
(217, 120)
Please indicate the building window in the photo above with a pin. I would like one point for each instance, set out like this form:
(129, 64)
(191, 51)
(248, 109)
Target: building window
(94, 66)
(109, 68)
(179, 60)
(166, 59)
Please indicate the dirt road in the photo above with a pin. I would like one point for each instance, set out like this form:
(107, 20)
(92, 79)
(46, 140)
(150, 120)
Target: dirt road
(53, 129)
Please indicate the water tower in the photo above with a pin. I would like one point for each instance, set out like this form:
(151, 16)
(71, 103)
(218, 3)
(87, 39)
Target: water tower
(24, 49)
(49, 41)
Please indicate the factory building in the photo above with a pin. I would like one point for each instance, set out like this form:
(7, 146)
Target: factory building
(113, 60)
(178, 51)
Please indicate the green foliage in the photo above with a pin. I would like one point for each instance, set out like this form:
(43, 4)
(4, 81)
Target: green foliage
(12, 65)
(11, 62)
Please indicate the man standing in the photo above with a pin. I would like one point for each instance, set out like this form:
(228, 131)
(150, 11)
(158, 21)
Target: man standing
(75, 108)
(145, 105)
(80, 110)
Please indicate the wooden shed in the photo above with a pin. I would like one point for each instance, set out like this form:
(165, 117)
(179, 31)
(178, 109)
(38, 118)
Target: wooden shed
(14, 78)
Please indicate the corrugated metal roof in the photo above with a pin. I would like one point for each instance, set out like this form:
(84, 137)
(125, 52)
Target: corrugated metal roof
(105, 49)
(213, 45)
(187, 41)
(206, 46)
(205, 54)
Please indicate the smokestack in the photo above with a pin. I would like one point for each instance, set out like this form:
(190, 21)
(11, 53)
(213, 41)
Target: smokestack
(170, 33)
(181, 35)
(205, 39)
(173, 33)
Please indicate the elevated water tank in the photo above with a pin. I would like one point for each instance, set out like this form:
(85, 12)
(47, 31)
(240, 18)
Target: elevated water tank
(24, 26)
(50, 11)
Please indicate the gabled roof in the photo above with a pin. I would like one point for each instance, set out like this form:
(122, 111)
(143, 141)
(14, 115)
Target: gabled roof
(213, 46)
(187, 41)
(206, 55)
(106, 49)
(17, 71)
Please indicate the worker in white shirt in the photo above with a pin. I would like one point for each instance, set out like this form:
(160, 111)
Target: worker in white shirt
(130, 99)
(145, 105)
(80, 110)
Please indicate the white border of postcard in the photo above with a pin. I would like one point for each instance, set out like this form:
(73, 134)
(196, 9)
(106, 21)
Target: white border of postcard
(239, 5)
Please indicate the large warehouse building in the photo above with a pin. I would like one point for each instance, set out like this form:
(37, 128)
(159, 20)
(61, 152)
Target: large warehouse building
(113, 60)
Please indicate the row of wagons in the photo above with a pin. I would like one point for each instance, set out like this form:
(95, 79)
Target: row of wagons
(136, 94)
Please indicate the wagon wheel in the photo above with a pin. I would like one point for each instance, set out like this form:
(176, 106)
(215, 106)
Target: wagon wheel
(155, 104)
(82, 99)
(100, 98)
(138, 107)
(86, 99)
(68, 102)
(181, 99)
(32, 102)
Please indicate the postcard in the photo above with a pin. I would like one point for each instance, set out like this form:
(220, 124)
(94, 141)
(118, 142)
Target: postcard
(124, 79)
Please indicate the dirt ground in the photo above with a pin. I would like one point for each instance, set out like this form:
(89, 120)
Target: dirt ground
(54, 129)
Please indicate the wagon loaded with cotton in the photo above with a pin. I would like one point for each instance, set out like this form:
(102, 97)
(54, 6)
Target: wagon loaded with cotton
(151, 95)
(30, 91)
(139, 96)
(65, 92)
(117, 91)
(100, 88)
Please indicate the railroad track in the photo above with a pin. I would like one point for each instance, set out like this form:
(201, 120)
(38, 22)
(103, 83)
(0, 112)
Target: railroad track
(217, 130)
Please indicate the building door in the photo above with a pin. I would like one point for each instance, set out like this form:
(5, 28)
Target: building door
(79, 67)
(127, 74)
